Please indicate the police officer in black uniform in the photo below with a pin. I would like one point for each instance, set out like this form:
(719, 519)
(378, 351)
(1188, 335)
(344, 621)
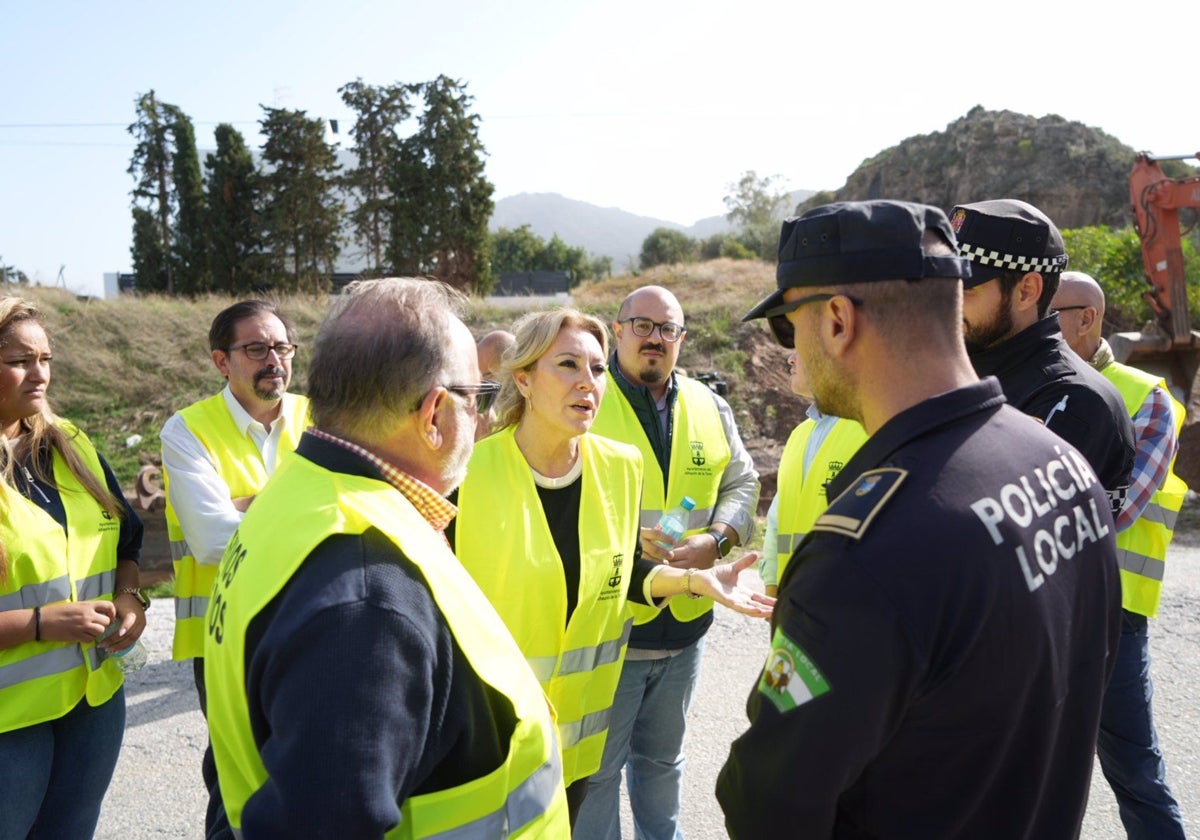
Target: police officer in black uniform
(944, 633)
(1017, 256)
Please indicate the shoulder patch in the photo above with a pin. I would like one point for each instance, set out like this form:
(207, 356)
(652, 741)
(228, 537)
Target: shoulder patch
(790, 678)
(851, 513)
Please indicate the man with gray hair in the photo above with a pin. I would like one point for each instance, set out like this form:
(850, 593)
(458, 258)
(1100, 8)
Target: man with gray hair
(358, 679)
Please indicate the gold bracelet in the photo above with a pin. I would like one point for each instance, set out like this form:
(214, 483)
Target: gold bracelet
(687, 585)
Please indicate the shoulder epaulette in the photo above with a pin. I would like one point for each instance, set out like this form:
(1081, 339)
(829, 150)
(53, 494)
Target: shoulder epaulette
(850, 514)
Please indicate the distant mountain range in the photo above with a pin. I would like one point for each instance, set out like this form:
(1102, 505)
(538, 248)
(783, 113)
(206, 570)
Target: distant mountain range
(601, 231)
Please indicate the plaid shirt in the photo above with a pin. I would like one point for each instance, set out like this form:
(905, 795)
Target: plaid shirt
(1156, 443)
(433, 506)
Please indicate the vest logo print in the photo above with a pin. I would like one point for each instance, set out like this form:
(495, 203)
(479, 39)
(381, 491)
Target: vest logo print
(698, 453)
(613, 589)
(790, 678)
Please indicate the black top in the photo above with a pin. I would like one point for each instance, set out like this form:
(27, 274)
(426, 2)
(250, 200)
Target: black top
(359, 696)
(1044, 378)
(561, 508)
(941, 642)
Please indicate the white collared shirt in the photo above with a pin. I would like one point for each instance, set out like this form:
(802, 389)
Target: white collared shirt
(199, 496)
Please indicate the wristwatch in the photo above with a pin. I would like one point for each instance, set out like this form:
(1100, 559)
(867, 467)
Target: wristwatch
(136, 593)
(724, 546)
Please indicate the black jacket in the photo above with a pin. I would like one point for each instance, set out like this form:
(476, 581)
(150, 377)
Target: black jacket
(1045, 379)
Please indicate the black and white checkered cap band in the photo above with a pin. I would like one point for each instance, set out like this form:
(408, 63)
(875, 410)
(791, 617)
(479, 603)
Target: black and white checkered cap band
(985, 256)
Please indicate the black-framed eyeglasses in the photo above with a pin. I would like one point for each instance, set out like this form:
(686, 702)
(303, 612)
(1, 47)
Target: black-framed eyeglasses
(782, 328)
(484, 394)
(1068, 308)
(644, 327)
(256, 351)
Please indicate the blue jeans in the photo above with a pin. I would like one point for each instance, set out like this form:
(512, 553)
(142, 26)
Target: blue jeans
(645, 737)
(1128, 745)
(53, 775)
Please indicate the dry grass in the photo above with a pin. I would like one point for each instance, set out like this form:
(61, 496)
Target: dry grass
(122, 367)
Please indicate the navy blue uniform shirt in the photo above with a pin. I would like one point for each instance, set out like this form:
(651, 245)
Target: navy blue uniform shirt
(1042, 377)
(941, 642)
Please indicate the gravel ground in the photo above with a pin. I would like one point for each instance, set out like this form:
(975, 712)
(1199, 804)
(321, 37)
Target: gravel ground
(157, 791)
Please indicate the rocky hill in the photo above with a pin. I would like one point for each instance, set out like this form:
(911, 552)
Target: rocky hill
(1077, 174)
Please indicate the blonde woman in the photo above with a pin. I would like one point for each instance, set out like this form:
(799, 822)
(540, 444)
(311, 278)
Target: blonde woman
(68, 573)
(548, 527)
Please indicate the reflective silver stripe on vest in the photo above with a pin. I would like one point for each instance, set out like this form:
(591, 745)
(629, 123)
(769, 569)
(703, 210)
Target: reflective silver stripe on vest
(179, 550)
(1160, 515)
(1140, 564)
(37, 594)
(593, 723)
(57, 661)
(530, 800)
(698, 519)
(101, 583)
(194, 607)
(581, 660)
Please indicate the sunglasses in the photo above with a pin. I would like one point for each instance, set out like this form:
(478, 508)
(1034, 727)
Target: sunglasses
(782, 328)
(484, 394)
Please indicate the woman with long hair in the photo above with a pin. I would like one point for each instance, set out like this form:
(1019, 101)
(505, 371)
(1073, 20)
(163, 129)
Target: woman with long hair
(548, 527)
(68, 574)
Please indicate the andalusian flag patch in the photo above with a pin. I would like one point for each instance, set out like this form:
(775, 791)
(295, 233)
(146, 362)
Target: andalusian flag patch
(790, 678)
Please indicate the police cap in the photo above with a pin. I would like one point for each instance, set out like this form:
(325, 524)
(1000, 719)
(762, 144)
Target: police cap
(1007, 235)
(859, 242)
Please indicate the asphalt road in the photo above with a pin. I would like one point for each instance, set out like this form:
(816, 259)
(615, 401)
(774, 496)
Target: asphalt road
(157, 791)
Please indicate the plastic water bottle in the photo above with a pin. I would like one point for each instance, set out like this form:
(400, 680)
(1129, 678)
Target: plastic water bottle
(674, 523)
(133, 658)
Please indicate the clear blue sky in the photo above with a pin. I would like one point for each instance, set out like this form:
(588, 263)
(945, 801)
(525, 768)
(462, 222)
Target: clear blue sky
(654, 107)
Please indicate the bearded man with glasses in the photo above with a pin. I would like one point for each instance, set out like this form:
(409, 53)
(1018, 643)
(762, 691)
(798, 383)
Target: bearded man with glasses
(216, 455)
(690, 447)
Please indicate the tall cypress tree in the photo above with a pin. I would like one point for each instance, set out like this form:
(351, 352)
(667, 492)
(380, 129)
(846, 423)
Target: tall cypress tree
(235, 255)
(379, 110)
(191, 241)
(152, 171)
(300, 210)
(443, 199)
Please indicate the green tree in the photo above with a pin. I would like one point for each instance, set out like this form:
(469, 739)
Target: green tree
(11, 274)
(151, 265)
(665, 246)
(443, 200)
(515, 250)
(1114, 258)
(301, 213)
(380, 110)
(756, 207)
(191, 240)
(235, 255)
(151, 168)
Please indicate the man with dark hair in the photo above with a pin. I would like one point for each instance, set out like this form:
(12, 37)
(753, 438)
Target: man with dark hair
(1129, 750)
(1017, 256)
(216, 455)
(944, 632)
(360, 684)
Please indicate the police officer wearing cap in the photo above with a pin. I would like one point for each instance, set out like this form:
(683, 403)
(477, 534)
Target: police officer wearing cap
(1017, 256)
(944, 633)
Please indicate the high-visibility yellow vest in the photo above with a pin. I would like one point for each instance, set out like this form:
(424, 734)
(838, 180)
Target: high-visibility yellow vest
(303, 505)
(240, 465)
(802, 495)
(699, 454)
(41, 681)
(1142, 547)
(504, 541)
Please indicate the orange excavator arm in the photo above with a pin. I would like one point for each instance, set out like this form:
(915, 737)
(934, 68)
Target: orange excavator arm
(1156, 201)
